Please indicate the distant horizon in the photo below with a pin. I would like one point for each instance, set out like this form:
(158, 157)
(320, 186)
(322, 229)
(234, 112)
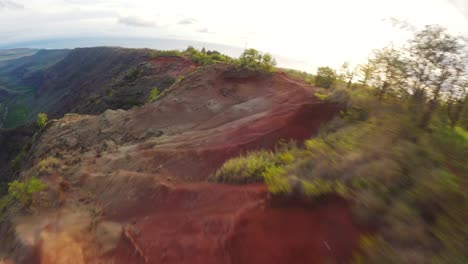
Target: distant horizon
(150, 43)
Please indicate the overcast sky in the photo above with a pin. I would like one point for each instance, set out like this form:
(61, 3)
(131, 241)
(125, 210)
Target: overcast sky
(319, 32)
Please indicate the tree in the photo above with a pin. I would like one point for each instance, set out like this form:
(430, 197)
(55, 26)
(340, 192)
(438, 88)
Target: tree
(346, 74)
(203, 50)
(41, 119)
(436, 65)
(326, 76)
(252, 59)
(213, 52)
(366, 71)
(389, 71)
(457, 102)
(268, 62)
(249, 57)
(190, 49)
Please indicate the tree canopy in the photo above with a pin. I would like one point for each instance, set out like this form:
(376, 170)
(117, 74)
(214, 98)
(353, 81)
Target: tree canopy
(252, 59)
(325, 77)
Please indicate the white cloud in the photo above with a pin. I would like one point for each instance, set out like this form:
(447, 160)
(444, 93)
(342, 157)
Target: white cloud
(203, 30)
(136, 21)
(319, 32)
(8, 4)
(187, 21)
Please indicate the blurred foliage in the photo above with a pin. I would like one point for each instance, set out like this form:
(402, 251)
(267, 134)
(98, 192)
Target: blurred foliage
(406, 182)
(325, 77)
(300, 75)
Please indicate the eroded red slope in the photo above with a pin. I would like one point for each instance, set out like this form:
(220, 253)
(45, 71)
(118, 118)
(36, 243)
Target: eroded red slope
(206, 223)
(145, 171)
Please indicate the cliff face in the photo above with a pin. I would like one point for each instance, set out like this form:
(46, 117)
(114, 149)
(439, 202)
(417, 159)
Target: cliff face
(12, 143)
(131, 186)
(92, 81)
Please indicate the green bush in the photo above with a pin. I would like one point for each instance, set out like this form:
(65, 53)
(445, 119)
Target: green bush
(319, 187)
(206, 58)
(325, 77)
(275, 180)
(41, 119)
(48, 166)
(245, 169)
(252, 167)
(23, 191)
(132, 74)
(253, 60)
(154, 94)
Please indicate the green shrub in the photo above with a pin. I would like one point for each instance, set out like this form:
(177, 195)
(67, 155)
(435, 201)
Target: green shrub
(253, 60)
(319, 187)
(206, 58)
(132, 74)
(321, 96)
(275, 180)
(23, 191)
(245, 169)
(154, 94)
(48, 166)
(41, 119)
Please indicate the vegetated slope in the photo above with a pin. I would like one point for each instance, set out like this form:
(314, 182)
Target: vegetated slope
(12, 141)
(18, 81)
(87, 80)
(26, 72)
(132, 184)
(91, 80)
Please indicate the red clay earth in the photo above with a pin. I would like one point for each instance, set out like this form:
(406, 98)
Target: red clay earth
(206, 223)
(156, 186)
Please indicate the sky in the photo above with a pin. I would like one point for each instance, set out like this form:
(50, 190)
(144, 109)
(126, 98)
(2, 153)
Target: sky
(309, 33)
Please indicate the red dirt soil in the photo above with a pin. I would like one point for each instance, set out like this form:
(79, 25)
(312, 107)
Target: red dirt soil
(206, 223)
(156, 186)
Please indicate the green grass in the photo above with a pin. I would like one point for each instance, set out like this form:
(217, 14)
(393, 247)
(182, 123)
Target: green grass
(462, 132)
(245, 169)
(48, 166)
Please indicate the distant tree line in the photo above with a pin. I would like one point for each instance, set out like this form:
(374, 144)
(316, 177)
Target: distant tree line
(431, 68)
